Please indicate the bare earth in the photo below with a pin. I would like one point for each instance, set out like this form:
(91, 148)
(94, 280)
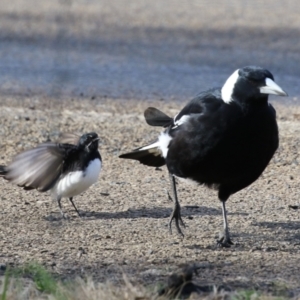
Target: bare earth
(126, 212)
(80, 66)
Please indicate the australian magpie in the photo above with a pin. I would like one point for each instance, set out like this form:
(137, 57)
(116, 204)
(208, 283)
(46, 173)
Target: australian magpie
(224, 138)
(65, 169)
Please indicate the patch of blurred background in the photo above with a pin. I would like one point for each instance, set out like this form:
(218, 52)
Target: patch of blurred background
(147, 49)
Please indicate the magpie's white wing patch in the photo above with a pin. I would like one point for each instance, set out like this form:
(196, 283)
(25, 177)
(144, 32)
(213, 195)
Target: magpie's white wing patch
(161, 146)
(180, 121)
(163, 141)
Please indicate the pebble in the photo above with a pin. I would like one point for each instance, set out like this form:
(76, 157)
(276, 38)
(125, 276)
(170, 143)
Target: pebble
(2, 267)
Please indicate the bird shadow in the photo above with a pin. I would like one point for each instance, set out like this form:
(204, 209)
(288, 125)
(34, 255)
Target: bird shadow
(287, 230)
(143, 212)
(291, 225)
(156, 213)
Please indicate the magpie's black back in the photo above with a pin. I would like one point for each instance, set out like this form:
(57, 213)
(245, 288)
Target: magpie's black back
(225, 146)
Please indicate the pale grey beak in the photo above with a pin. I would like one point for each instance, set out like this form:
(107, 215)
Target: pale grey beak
(94, 140)
(272, 88)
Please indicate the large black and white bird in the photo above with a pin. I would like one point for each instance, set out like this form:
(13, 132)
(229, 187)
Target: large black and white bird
(64, 169)
(224, 138)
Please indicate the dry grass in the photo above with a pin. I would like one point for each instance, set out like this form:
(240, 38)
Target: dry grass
(34, 282)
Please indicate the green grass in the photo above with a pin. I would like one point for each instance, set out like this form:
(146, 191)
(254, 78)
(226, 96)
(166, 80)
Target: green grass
(5, 286)
(34, 282)
(44, 281)
(36, 277)
(247, 295)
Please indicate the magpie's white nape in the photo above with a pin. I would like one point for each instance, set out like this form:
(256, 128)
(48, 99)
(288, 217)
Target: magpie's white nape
(224, 138)
(64, 169)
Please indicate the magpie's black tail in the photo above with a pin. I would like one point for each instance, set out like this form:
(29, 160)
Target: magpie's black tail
(3, 171)
(149, 155)
(155, 117)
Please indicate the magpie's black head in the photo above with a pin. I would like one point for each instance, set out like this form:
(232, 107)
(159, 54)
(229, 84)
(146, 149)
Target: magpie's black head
(89, 141)
(250, 84)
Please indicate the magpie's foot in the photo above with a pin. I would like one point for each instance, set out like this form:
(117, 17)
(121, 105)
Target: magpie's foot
(169, 197)
(80, 215)
(65, 217)
(176, 215)
(224, 240)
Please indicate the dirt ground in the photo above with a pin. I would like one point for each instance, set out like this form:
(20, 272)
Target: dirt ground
(89, 65)
(124, 228)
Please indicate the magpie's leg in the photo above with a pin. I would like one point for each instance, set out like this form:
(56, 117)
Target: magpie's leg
(176, 215)
(60, 208)
(224, 239)
(71, 200)
(169, 196)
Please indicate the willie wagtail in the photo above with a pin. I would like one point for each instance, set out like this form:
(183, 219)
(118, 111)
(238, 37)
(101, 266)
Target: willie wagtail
(65, 169)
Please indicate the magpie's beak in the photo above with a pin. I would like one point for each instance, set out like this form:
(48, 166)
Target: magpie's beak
(272, 88)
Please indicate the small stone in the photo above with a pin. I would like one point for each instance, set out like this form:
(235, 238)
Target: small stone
(155, 272)
(294, 206)
(104, 194)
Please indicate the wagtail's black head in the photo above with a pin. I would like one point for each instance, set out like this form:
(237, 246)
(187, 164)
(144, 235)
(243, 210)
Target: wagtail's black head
(250, 84)
(89, 141)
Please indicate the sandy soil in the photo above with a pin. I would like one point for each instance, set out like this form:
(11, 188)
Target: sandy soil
(126, 212)
(68, 66)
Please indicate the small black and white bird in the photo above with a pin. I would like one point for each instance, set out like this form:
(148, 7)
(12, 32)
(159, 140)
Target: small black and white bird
(224, 138)
(66, 170)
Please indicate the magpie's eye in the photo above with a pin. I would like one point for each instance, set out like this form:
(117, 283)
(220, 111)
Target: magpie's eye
(257, 81)
(253, 82)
